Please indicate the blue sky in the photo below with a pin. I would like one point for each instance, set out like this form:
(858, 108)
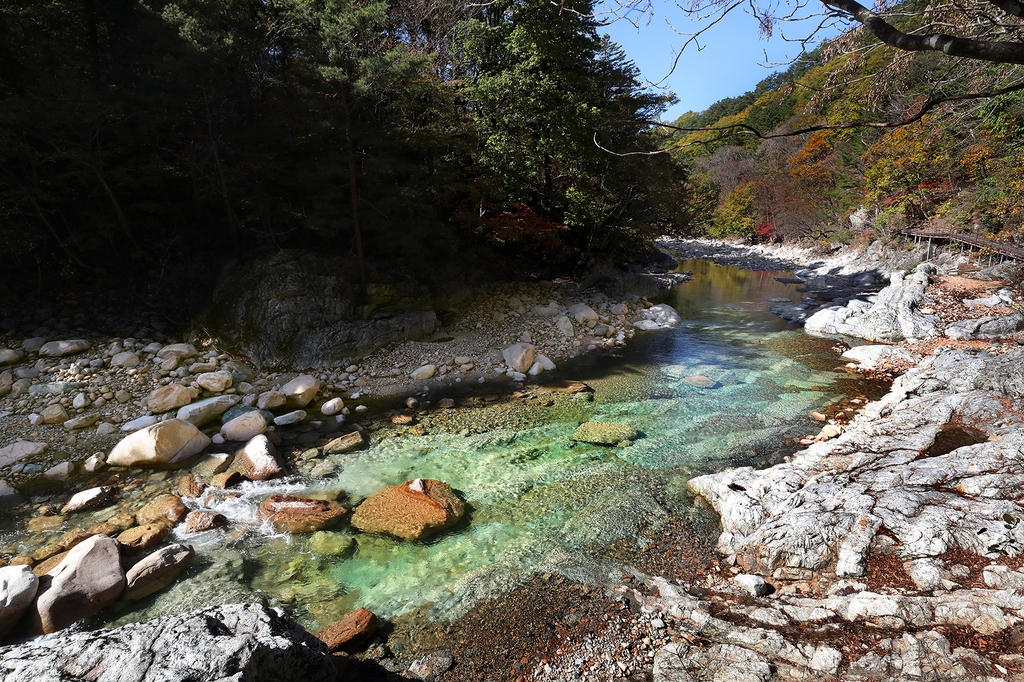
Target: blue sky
(731, 63)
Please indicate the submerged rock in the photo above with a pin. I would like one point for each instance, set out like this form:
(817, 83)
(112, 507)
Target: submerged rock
(604, 433)
(243, 642)
(412, 511)
(294, 514)
(156, 571)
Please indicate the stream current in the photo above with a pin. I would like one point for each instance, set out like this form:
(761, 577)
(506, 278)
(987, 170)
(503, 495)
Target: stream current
(536, 501)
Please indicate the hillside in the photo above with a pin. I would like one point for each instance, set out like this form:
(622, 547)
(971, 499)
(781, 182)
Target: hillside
(959, 166)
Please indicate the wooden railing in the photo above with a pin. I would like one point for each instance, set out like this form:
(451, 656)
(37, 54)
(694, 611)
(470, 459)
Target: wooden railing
(969, 238)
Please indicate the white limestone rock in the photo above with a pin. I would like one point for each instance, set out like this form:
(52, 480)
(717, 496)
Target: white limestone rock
(244, 427)
(168, 444)
(19, 450)
(519, 357)
(203, 412)
(301, 390)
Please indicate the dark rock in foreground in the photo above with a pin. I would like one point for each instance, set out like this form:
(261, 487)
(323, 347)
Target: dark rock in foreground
(237, 642)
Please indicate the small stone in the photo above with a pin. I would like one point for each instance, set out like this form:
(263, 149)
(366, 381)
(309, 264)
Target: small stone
(424, 372)
(177, 350)
(699, 381)
(228, 479)
(332, 407)
(81, 401)
(446, 403)
(140, 423)
(754, 584)
(190, 486)
(95, 462)
(86, 500)
(54, 414)
(104, 428)
(125, 359)
(270, 400)
(290, 418)
(82, 422)
(412, 403)
(604, 433)
(351, 633)
(60, 472)
(432, 666)
(346, 443)
(167, 398)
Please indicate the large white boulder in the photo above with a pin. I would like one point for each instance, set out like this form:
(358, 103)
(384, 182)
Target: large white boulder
(170, 443)
(88, 579)
(301, 390)
(18, 586)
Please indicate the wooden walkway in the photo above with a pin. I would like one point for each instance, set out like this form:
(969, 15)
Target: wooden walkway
(966, 238)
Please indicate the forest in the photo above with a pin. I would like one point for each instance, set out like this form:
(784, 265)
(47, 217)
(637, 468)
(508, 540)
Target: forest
(149, 140)
(855, 128)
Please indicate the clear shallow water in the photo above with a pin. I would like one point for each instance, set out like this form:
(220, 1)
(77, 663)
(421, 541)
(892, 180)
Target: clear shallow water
(537, 501)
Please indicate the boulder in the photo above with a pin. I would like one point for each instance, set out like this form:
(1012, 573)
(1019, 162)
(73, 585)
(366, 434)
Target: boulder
(519, 357)
(986, 327)
(301, 390)
(244, 427)
(199, 521)
(177, 350)
(166, 509)
(412, 511)
(18, 587)
(58, 349)
(270, 400)
(663, 315)
(583, 313)
(203, 412)
(214, 382)
(168, 444)
(125, 359)
(604, 433)
(140, 538)
(6, 382)
(754, 584)
(294, 514)
(346, 443)
(429, 668)
(88, 579)
(351, 633)
(167, 398)
(8, 356)
(54, 414)
(86, 500)
(564, 325)
(293, 417)
(332, 407)
(257, 461)
(239, 642)
(19, 450)
(157, 570)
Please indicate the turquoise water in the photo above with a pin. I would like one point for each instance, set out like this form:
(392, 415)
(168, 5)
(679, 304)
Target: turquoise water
(537, 502)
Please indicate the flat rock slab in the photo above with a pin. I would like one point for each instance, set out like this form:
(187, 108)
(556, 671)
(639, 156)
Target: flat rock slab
(907, 465)
(233, 642)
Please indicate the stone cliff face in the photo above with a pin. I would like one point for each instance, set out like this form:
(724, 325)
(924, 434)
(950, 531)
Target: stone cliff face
(295, 308)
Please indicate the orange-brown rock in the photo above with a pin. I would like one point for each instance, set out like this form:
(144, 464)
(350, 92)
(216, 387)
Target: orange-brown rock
(190, 486)
(75, 536)
(296, 514)
(350, 634)
(45, 567)
(412, 511)
(48, 551)
(198, 521)
(141, 538)
(44, 523)
(162, 509)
